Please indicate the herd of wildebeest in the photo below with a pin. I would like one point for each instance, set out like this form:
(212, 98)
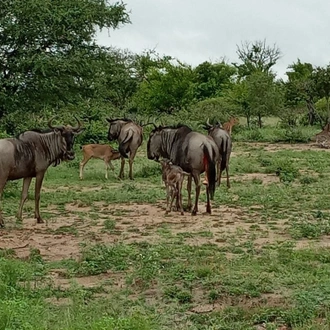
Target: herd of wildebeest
(180, 151)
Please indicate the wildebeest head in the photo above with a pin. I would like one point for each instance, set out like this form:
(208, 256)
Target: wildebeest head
(210, 127)
(154, 146)
(115, 126)
(67, 134)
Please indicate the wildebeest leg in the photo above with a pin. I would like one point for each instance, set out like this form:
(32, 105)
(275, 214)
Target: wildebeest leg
(219, 172)
(106, 165)
(173, 194)
(189, 206)
(111, 166)
(167, 196)
(39, 179)
(130, 161)
(121, 173)
(227, 172)
(208, 204)
(179, 196)
(2, 186)
(82, 165)
(198, 189)
(25, 189)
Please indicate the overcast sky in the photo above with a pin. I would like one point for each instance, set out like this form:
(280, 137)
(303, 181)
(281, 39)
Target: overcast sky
(195, 31)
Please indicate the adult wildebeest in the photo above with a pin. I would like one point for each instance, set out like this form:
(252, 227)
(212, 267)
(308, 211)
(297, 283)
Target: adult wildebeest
(29, 156)
(129, 136)
(223, 140)
(192, 151)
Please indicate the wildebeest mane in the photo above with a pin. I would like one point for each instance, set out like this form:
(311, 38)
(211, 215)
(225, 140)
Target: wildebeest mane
(123, 119)
(37, 130)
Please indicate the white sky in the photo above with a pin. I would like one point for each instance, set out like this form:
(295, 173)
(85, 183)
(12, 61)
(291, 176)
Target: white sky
(195, 31)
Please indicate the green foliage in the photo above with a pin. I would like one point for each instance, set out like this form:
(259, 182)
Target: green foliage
(310, 228)
(99, 258)
(45, 63)
(165, 89)
(212, 79)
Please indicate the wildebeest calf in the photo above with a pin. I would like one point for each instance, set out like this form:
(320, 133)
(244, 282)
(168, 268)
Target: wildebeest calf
(99, 151)
(173, 177)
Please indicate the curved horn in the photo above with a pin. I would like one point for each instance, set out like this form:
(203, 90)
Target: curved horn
(50, 123)
(208, 122)
(77, 128)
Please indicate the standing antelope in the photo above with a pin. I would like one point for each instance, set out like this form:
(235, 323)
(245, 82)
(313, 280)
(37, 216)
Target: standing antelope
(194, 152)
(224, 143)
(98, 151)
(129, 136)
(173, 177)
(228, 126)
(30, 155)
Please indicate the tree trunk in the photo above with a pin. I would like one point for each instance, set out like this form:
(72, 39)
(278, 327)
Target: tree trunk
(328, 108)
(259, 121)
(248, 120)
(311, 112)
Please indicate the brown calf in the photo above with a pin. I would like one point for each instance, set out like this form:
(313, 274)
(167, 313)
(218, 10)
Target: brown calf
(173, 177)
(228, 126)
(99, 151)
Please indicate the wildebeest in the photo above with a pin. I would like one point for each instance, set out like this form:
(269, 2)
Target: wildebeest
(173, 177)
(224, 143)
(192, 151)
(129, 136)
(99, 151)
(30, 155)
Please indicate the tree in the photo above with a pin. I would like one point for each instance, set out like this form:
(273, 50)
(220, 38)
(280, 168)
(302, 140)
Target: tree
(166, 89)
(256, 57)
(212, 79)
(48, 54)
(264, 95)
(321, 79)
(300, 88)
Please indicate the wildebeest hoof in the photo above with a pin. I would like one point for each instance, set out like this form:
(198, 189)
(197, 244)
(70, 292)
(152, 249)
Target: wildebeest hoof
(2, 225)
(182, 213)
(39, 220)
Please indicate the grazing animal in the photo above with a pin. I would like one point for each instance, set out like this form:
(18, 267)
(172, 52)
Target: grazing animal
(173, 177)
(129, 136)
(228, 126)
(224, 143)
(99, 151)
(192, 151)
(30, 155)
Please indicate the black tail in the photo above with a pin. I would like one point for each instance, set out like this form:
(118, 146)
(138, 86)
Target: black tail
(224, 154)
(210, 171)
(122, 150)
(121, 147)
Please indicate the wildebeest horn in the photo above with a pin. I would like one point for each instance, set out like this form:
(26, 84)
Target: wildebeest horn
(77, 128)
(50, 123)
(208, 122)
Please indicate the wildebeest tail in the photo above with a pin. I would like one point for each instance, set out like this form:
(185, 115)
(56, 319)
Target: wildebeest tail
(224, 153)
(121, 147)
(210, 171)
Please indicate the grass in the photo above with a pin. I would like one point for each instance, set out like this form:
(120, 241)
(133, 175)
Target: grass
(261, 260)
